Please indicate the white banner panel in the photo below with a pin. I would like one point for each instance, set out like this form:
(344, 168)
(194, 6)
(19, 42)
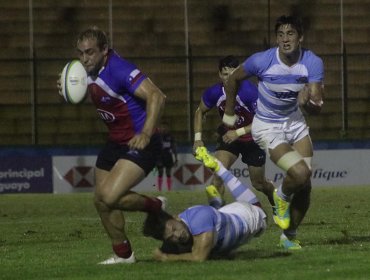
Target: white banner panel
(329, 168)
(73, 173)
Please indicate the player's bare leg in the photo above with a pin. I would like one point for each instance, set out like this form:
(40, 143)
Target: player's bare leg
(259, 182)
(297, 176)
(113, 195)
(300, 201)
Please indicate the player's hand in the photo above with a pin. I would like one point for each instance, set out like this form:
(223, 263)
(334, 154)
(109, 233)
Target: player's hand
(139, 141)
(230, 136)
(159, 255)
(198, 143)
(59, 84)
(229, 120)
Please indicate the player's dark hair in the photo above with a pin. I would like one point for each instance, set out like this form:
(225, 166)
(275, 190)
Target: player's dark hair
(155, 224)
(294, 21)
(94, 33)
(228, 61)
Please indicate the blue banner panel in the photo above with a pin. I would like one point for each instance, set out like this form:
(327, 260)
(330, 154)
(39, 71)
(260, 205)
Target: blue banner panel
(26, 174)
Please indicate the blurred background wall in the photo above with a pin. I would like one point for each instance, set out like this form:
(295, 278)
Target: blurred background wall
(178, 44)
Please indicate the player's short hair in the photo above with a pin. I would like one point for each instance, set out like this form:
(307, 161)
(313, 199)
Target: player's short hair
(228, 61)
(94, 33)
(155, 224)
(294, 21)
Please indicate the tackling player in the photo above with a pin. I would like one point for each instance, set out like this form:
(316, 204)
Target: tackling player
(289, 77)
(234, 141)
(201, 232)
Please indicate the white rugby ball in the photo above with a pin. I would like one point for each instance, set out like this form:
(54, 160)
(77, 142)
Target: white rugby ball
(74, 82)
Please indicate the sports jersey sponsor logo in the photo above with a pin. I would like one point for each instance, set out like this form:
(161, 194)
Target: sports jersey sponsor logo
(289, 94)
(134, 76)
(302, 80)
(106, 116)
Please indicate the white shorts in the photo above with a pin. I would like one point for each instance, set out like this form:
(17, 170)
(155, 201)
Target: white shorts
(253, 216)
(270, 135)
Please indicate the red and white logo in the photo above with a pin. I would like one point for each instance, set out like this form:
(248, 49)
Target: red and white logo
(192, 174)
(80, 177)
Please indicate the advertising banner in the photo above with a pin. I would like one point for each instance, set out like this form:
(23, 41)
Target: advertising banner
(329, 168)
(26, 174)
(73, 173)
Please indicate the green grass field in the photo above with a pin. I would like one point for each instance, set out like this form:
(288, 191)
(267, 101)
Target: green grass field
(60, 237)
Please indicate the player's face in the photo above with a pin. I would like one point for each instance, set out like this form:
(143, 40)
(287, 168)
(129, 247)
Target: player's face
(91, 56)
(225, 73)
(176, 232)
(288, 39)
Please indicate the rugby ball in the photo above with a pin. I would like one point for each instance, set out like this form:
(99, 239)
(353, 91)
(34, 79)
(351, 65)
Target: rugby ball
(73, 82)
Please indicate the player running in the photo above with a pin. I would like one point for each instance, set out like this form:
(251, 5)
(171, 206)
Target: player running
(129, 104)
(201, 232)
(289, 77)
(234, 141)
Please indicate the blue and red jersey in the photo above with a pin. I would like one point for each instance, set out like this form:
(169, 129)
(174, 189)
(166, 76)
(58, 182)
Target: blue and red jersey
(112, 92)
(246, 103)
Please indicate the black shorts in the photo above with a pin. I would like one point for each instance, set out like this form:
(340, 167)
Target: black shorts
(145, 158)
(251, 153)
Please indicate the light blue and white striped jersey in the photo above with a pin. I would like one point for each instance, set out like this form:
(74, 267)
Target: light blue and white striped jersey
(279, 83)
(230, 230)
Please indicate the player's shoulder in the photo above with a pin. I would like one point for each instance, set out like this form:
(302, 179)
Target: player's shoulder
(266, 54)
(309, 55)
(311, 60)
(212, 94)
(259, 61)
(119, 64)
(247, 85)
(200, 210)
(214, 89)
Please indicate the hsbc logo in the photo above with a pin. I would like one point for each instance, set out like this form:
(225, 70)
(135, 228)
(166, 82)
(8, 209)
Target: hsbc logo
(192, 174)
(106, 116)
(80, 177)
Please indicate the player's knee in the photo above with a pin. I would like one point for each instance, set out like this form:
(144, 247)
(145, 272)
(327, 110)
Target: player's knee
(99, 204)
(300, 174)
(104, 201)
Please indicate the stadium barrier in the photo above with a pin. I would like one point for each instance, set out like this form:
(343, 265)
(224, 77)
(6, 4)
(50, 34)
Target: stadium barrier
(36, 170)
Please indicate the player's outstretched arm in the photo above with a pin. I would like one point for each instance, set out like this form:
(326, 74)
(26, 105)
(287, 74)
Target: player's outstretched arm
(202, 246)
(198, 126)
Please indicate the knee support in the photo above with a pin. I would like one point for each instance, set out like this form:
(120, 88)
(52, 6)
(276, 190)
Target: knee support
(288, 160)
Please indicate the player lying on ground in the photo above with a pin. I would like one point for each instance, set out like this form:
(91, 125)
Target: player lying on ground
(201, 232)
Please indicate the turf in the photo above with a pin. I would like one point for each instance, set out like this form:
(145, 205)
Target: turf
(44, 236)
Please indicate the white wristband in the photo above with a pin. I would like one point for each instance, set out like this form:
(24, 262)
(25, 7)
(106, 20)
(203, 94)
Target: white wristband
(229, 120)
(240, 131)
(316, 104)
(198, 136)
